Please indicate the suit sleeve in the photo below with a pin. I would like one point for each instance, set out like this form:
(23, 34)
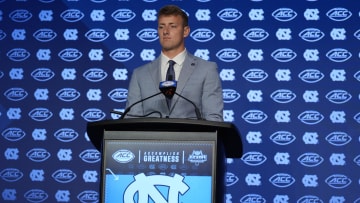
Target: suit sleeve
(134, 95)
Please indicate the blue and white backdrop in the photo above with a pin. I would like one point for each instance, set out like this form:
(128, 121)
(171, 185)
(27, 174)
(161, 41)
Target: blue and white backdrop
(290, 73)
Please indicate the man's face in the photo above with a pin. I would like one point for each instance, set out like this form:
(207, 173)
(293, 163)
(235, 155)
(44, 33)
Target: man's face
(172, 33)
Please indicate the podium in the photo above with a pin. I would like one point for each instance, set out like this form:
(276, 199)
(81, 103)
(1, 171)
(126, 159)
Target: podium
(156, 160)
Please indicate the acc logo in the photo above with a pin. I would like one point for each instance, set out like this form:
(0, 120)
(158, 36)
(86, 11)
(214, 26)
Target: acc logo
(2, 34)
(309, 198)
(147, 35)
(282, 180)
(311, 34)
(95, 74)
(253, 158)
(20, 15)
(36, 195)
(13, 134)
(339, 14)
(284, 14)
(96, 35)
(338, 138)
(356, 34)
(228, 54)
(250, 198)
(15, 94)
(255, 75)
(357, 160)
(123, 156)
(202, 35)
(90, 156)
(283, 96)
(70, 54)
(66, 135)
(311, 75)
(40, 114)
(11, 174)
(123, 15)
(254, 116)
(229, 14)
(282, 137)
(283, 55)
(121, 54)
(63, 176)
(338, 96)
(18, 54)
(118, 94)
(42, 74)
(93, 114)
(310, 159)
(38, 154)
(88, 196)
(230, 95)
(72, 15)
(338, 181)
(310, 117)
(68, 94)
(44, 35)
(256, 34)
(338, 55)
(231, 179)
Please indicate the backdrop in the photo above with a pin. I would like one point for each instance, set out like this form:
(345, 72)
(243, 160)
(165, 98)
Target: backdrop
(291, 84)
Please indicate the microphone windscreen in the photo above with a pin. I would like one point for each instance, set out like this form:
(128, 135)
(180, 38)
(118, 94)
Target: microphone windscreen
(168, 88)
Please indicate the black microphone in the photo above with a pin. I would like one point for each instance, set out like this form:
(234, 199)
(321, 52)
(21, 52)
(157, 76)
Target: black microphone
(168, 88)
(141, 100)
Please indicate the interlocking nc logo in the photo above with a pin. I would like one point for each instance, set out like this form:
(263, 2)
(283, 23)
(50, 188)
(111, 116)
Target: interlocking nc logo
(150, 187)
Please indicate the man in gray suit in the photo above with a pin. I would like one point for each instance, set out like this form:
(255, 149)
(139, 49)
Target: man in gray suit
(197, 79)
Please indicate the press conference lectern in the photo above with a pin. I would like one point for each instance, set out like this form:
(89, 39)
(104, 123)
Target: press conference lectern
(155, 160)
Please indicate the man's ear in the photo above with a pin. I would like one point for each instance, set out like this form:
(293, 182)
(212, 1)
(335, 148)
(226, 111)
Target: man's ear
(186, 31)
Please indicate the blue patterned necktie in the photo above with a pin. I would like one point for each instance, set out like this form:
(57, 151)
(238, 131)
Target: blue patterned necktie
(170, 75)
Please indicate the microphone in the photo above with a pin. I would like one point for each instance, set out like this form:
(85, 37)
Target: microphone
(168, 88)
(141, 100)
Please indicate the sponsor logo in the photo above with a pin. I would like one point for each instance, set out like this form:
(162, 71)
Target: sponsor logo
(283, 96)
(38, 154)
(338, 181)
(311, 34)
(123, 15)
(70, 54)
(72, 15)
(13, 134)
(42, 74)
(97, 35)
(282, 137)
(121, 54)
(338, 55)
(20, 15)
(118, 94)
(229, 14)
(310, 159)
(93, 114)
(90, 156)
(283, 55)
(66, 135)
(68, 94)
(311, 117)
(63, 176)
(123, 156)
(197, 157)
(36, 196)
(338, 96)
(339, 14)
(18, 54)
(147, 35)
(282, 180)
(252, 198)
(255, 75)
(11, 174)
(95, 74)
(88, 196)
(230, 95)
(202, 35)
(44, 35)
(253, 158)
(256, 34)
(309, 198)
(15, 94)
(254, 116)
(40, 114)
(228, 54)
(338, 138)
(311, 75)
(284, 14)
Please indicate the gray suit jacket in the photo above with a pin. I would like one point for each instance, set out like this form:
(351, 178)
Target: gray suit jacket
(198, 81)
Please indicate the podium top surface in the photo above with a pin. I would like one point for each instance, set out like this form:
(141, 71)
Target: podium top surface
(227, 132)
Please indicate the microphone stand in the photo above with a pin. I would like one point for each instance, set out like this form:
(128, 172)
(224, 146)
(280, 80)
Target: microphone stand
(129, 108)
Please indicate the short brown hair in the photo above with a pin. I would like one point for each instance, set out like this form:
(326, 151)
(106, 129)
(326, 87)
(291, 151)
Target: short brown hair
(174, 10)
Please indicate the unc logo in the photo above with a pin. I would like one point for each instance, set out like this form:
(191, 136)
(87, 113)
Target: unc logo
(147, 187)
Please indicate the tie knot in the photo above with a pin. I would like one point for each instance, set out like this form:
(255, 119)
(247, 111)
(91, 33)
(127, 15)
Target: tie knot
(171, 63)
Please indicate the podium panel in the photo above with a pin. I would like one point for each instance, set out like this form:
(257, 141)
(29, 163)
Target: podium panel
(159, 167)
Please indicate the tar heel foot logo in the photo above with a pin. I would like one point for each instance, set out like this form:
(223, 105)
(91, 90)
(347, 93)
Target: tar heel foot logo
(97, 35)
(72, 15)
(11, 174)
(123, 15)
(256, 34)
(310, 159)
(63, 176)
(311, 75)
(311, 34)
(95, 74)
(255, 75)
(93, 114)
(70, 54)
(282, 180)
(254, 116)
(229, 14)
(202, 35)
(118, 94)
(44, 35)
(338, 55)
(338, 181)
(147, 35)
(283, 55)
(310, 117)
(284, 14)
(338, 96)
(149, 187)
(38, 154)
(228, 54)
(230, 95)
(122, 54)
(197, 157)
(282, 137)
(18, 54)
(123, 156)
(15, 94)
(36, 195)
(20, 15)
(253, 158)
(253, 198)
(339, 14)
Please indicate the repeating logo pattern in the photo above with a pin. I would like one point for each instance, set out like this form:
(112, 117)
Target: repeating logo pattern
(291, 84)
